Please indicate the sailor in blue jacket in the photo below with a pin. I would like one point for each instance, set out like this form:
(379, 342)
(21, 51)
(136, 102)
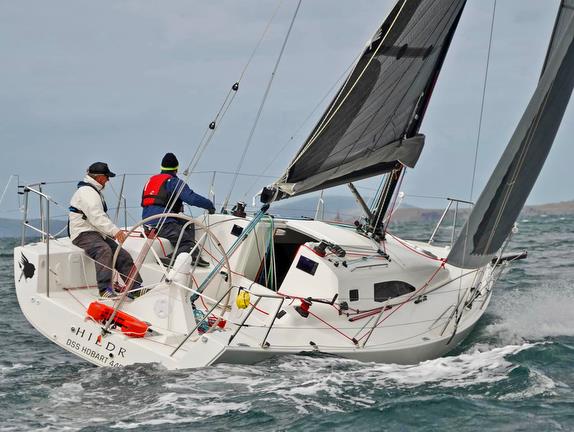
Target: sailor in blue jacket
(156, 199)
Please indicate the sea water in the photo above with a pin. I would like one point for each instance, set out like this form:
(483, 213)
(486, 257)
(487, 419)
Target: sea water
(514, 372)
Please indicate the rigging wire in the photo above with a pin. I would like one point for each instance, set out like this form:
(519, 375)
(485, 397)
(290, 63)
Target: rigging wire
(210, 132)
(260, 40)
(6, 188)
(262, 105)
(378, 191)
(396, 195)
(231, 93)
(301, 126)
(341, 98)
(484, 86)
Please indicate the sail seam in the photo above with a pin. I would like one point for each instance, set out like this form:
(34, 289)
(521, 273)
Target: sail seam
(327, 121)
(519, 165)
(391, 92)
(337, 104)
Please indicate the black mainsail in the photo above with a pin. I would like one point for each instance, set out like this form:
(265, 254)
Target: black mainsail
(371, 126)
(500, 203)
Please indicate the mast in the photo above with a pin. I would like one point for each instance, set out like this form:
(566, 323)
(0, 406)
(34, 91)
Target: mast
(382, 202)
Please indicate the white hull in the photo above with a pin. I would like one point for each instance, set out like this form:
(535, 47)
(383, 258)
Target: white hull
(418, 325)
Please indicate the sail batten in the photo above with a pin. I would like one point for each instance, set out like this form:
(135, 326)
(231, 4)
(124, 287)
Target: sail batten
(365, 131)
(501, 201)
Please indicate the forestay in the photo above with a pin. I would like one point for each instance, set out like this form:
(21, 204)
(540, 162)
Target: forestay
(500, 203)
(371, 125)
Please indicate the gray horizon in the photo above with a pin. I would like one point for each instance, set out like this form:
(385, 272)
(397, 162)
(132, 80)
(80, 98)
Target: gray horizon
(125, 82)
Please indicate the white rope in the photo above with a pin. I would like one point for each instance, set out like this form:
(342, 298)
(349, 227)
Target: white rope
(329, 116)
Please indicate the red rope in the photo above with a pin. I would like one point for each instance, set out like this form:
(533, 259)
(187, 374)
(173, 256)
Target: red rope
(413, 249)
(161, 245)
(332, 327)
(414, 294)
(259, 310)
(307, 247)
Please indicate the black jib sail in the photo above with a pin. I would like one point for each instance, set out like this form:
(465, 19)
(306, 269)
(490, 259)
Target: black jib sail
(500, 203)
(372, 123)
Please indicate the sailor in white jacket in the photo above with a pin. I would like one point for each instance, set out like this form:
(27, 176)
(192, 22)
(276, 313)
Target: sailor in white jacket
(92, 230)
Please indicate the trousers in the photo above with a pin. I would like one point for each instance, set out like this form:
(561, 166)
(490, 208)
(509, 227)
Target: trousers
(172, 231)
(102, 250)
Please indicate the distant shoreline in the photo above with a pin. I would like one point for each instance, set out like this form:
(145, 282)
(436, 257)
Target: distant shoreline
(415, 214)
(342, 210)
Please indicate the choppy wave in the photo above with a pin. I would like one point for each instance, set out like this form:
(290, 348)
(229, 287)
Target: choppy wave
(517, 361)
(535, 314)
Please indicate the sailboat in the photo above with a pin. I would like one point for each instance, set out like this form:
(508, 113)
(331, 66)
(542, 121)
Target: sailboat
(279, 286)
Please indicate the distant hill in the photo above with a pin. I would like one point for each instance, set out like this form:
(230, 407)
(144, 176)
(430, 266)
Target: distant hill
(345, 209)
(336, 207)
(415, 214)
(341, 208)
(560, 208)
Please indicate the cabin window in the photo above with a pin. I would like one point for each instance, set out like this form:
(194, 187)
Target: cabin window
(354, 295)
(236, 230)
(391, 289)
(307, 265)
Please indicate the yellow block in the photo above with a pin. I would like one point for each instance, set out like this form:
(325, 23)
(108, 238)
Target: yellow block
(243, 299)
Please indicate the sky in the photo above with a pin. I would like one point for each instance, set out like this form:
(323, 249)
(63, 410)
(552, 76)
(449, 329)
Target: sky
(126, 81)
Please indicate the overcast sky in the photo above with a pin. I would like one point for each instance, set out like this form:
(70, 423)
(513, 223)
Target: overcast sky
(126, 81)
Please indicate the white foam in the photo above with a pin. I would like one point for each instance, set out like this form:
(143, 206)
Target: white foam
(68, 392)
(478, 366)
(16, 366)
(541, 385)
(306, 385)
(534, 314)
(158, 413)
(300, 381)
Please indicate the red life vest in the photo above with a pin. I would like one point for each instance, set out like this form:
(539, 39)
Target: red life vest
(155, 193)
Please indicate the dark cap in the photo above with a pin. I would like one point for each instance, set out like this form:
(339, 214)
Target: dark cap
(169, 162)
(100, 168)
